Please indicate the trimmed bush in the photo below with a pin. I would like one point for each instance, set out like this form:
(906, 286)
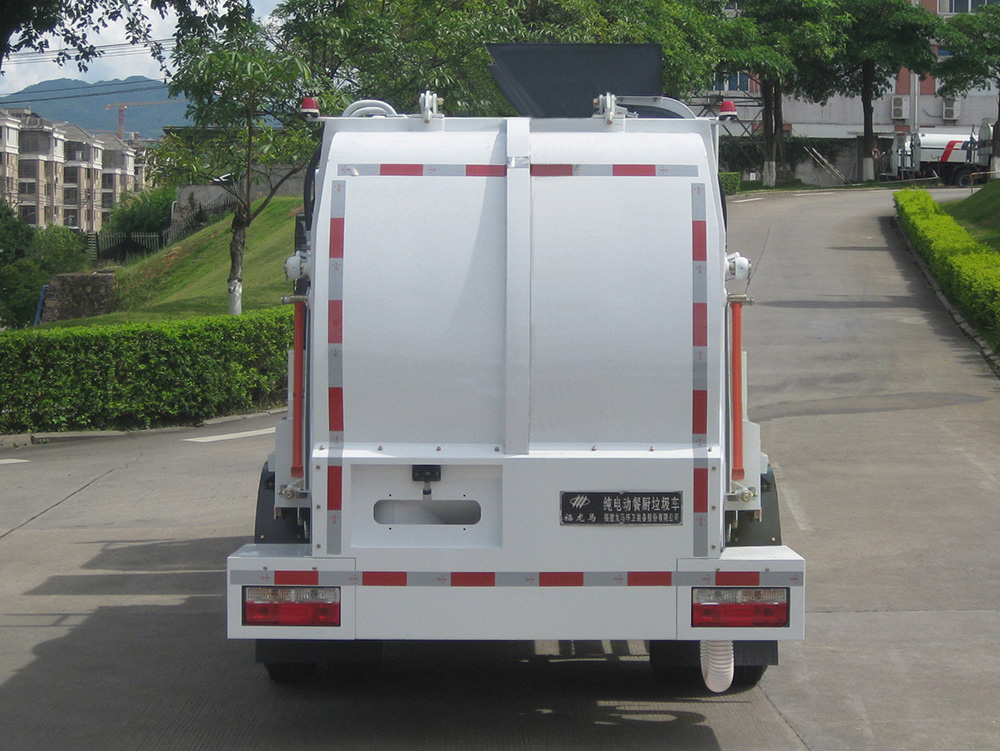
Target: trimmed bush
(730, 182)
(143, 375)
(967, 270)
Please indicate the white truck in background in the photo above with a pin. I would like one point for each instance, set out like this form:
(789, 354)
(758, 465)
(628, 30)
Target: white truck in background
(954, 158)
(517, 402)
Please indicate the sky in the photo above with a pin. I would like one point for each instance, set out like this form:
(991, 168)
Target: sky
(121, 61)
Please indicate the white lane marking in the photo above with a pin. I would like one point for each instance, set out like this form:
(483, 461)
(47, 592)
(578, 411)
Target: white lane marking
(747, 200)
(231, 436)
(817, 193)
(15, 461)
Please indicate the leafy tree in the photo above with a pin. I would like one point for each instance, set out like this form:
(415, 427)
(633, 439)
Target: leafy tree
(54, 250)
(774, 40)
(242, 91)
(880, 37)
(148, 211)
(973, 39)
(15, 235)
(31, 24)
(394, 49)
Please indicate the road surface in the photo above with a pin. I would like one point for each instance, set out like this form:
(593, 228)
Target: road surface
(882, 421)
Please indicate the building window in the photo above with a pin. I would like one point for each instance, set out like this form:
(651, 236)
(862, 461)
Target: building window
(733, 82)
(71, 195)
(29, 214)
(948, 7)
(26, 189)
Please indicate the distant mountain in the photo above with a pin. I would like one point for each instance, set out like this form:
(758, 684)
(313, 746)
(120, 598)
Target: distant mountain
(149, 110)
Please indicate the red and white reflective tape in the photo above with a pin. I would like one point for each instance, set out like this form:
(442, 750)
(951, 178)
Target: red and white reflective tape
(422, 170)
(614, 170)
(335, 347)
(488, 579)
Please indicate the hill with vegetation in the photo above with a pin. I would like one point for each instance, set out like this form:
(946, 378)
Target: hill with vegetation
(188, 278)
(979, 214)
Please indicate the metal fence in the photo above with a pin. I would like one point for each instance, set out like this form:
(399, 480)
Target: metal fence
(125, 247)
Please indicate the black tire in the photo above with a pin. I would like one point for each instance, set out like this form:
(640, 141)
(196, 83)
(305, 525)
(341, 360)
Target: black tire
(963, 178)
(747, 676)
(290, 672)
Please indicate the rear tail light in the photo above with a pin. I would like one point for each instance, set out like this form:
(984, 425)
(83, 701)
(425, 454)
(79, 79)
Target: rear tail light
(291, 606)
(739, 607)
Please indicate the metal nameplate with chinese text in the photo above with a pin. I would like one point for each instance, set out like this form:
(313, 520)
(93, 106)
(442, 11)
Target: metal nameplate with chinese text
(620, 508)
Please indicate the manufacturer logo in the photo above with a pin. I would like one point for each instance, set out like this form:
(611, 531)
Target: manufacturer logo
(580, 501)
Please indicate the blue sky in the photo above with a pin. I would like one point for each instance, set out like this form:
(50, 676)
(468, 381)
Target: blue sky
(25, 70)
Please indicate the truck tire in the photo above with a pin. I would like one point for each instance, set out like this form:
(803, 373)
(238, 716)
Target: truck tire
(678, 663)
(962, 178)
(290, 672)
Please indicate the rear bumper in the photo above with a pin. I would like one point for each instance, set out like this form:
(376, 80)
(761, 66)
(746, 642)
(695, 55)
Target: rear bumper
(515, 604)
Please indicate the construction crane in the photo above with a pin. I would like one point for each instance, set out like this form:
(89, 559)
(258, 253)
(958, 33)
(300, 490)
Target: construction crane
(122, 106)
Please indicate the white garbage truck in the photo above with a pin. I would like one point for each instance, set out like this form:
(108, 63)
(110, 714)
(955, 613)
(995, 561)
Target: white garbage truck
(517, 402)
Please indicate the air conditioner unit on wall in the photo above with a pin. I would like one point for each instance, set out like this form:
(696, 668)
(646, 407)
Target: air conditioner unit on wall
(900, 107)
(951, 109)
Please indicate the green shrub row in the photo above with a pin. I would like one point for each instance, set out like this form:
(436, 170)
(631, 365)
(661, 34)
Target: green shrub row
(730, 182)
(143, 375)
(967, 270)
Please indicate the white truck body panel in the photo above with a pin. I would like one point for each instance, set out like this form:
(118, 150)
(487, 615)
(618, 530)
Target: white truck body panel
(539, 308)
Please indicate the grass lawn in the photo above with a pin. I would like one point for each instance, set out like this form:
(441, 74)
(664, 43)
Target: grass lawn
(189, 277)
(979, 214)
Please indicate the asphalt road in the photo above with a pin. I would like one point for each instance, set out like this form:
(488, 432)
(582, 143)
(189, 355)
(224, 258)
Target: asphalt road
(883, 423)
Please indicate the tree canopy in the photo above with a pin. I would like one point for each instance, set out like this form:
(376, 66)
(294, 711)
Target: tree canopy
(31, 25)
(242, 91)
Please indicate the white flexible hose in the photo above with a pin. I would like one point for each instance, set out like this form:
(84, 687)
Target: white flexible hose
(717, 665)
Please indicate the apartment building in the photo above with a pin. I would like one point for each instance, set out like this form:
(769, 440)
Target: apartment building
(57, 173)
(910, 105)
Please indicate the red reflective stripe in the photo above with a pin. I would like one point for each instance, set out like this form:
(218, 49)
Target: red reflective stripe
(485, 170)
(649, 578)
(296, 578)
(337, 237)
(401, 169)
(336, 410)
(634, 170)
(560, 579)
(701, 490)
(699, 241)
(552, 170)
(336, 330)
(948, 149)
(473, 579)
(699, 412)
(699, 328)
(384, 578)
(737, 578)
(334, 487)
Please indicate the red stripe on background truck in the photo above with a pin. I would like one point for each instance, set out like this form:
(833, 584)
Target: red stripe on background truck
(517, 403)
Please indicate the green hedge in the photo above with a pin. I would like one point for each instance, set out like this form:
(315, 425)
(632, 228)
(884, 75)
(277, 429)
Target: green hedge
(143, 375)
(967, 270)
(730, 182)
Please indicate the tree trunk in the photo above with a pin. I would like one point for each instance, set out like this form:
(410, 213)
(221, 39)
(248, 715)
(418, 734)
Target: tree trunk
(868, 144)
(241, 220)
(770, 142)
(995, 141)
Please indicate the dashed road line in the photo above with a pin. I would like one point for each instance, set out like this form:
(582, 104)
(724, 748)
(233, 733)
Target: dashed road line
(231, 436)
(15, 461)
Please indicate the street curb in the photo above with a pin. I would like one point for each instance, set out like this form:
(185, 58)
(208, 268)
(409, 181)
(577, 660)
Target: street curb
(992, 358)
(34, 439)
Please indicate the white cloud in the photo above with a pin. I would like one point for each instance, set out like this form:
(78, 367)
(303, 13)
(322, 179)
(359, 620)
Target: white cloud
(24, 71)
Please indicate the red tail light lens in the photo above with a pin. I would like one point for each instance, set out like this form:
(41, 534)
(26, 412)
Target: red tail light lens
(291, 606)
(739, 608)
